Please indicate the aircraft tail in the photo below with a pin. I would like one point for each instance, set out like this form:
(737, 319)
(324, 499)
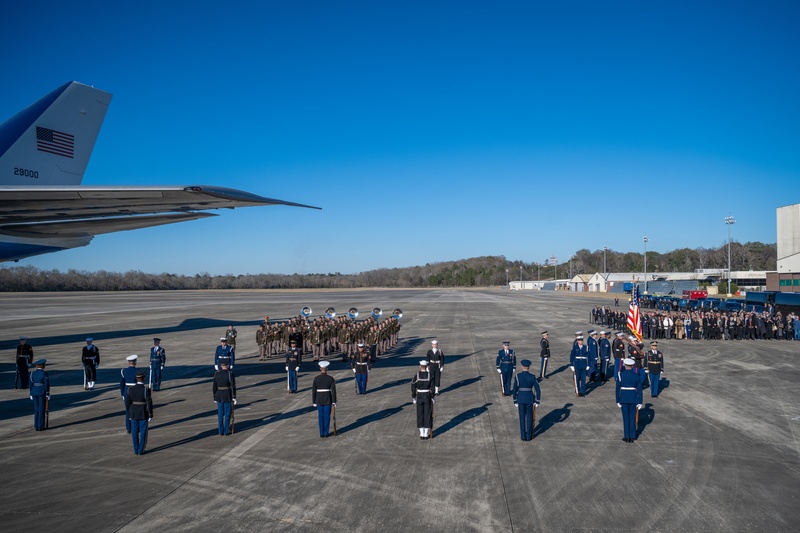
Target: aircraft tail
(50, 142)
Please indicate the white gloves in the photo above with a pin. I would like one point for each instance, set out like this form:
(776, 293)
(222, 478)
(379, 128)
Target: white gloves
(638, 407)
(48, 397)
(572, 368)
(619, 405)
(334, 405)
(498, 371)
(149, 419)
(215, 401)
(162, 367)
(287, 368)
(587, 368)
(234, 401)
(314, 404)
(536, 404)
(516, 405)
(216, 367)
(413, 400)
(646, 371)
(31, 397)
(354, 371)
(441, 369)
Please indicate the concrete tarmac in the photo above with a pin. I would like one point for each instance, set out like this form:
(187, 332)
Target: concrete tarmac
(717, 450)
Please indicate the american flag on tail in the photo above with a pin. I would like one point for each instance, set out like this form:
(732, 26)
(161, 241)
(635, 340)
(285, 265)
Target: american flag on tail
(634, 322)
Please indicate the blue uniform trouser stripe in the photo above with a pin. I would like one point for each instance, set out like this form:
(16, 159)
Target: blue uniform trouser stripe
(156, 370)
(526, 421)
(139, 435)
(629, 420)
(223, 417)
(38, 412)
(324, 419)
(604, 369)
(506, 375)
(580, 376)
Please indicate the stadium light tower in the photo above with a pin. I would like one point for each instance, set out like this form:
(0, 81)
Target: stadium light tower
(646, 240)
(729, 221)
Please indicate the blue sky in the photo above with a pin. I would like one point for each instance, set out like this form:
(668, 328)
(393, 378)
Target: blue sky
(427, 131)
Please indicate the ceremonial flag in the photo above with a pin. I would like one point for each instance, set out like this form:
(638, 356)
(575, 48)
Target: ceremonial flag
(634, 323)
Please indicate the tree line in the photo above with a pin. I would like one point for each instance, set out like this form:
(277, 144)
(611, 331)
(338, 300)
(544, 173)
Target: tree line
(474, 272)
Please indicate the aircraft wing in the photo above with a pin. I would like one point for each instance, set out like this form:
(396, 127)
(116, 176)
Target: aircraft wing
(20, 206)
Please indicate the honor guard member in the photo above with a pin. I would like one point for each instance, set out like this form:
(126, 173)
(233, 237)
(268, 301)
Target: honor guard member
(40, 394)
(604, 345)
(524, 399)
(90, 357)
(422, 397)
(223, 389)
(323, 397)
(158, 359)
(506, 364)
(544, 344)
(127, 380)
(618, 349)
(629, 398)
(223, 352)
(230, 336)
(139, 406)
(591, 345)
(361, 365)
(24, 361)
(579, 364)
(435, 359)
(655, 368)
(293, 359)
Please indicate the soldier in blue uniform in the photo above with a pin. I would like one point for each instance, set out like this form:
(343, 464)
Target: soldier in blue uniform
(158, 359)
(435, 359)
(655, 368)
(422, 396)
(90, 357)
(40, 393)
(294, 356)
(361, 365)
(223, 389)
(525, 399)
(604, 345)
(579, 364)
(323, 397)
(24, 361)
(223, 351)
(629, 397)
(139, 406)
(591, 345)
(506, 364)
(127, 380)
(544, 353)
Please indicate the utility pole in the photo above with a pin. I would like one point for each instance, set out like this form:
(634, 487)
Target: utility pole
(645, 263)
(729, 221)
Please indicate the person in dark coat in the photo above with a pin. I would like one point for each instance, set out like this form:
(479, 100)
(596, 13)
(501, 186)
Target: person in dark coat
(139, 406)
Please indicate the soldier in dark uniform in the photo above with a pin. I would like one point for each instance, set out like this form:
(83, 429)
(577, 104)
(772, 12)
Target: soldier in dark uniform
(544, 353)
(223, 389)
(24, 360)
(127, 380)
(604, 346)
(158, 359)
(40, 394)
(579, 364)
(223, 351)
(139, 406)
(361, 365)
(524, 399)
(506, 364)
(261, 341)
(323, 397)
(629, 398)
(618, 349)
(422, 397)
(435, 359)
(655, 368)
(293, 359)
(591, 345)
(90, 357)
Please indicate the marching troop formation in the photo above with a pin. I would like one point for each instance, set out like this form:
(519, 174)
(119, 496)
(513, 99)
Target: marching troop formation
(361, 343)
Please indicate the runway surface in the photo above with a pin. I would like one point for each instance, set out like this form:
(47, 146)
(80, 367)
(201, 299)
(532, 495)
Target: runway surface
(718, 450)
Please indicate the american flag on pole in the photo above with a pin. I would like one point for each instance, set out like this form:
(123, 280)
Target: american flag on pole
(55, 142)
(634, 322)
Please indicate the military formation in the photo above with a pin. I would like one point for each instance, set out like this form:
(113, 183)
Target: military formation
(361, 343)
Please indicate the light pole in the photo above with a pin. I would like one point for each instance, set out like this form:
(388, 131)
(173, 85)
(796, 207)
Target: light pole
(538, 272)
(729, 221)
(645, 263)
(520, 273)
(506, 277)
(605, 249)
